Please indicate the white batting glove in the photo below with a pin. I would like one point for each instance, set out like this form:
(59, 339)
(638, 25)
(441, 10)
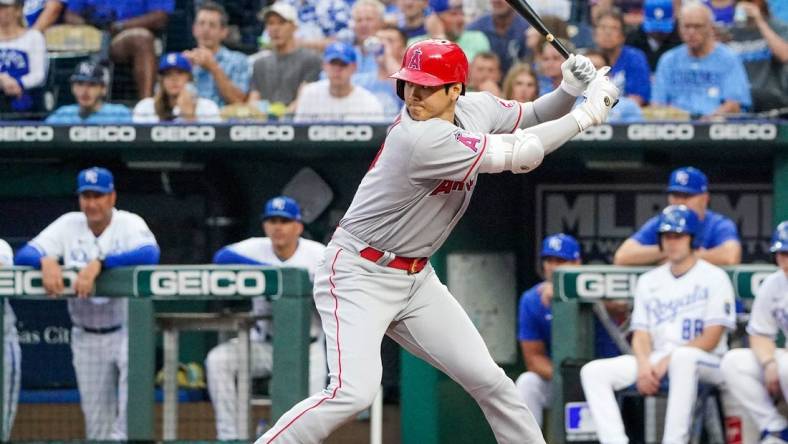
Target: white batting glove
(601, 95)
(578, 72)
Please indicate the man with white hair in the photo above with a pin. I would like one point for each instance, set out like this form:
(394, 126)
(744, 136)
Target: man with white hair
(702, 77)
(367, 21)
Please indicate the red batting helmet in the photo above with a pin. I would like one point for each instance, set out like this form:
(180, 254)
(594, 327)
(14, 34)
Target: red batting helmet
(432, 63)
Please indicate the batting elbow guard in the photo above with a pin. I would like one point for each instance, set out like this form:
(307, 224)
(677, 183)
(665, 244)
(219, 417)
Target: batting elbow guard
(520, 152)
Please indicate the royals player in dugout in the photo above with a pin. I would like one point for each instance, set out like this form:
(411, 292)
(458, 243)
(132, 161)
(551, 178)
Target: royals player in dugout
(376, 279)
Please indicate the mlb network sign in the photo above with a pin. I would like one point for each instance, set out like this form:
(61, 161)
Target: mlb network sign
(605, 281)
(602, 216)
(210, 281)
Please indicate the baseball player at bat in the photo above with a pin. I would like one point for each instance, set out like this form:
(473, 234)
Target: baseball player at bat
(12, 353)
(96, 238)
(758, 376)
(376, 278)
(682, 312)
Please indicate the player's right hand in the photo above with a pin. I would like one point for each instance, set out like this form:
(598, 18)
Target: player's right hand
(601, 95)
(52, 276)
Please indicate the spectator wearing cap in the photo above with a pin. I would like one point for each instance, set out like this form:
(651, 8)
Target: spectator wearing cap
(220, 74)
(41, 14)
(628, 65)
(658, 32)
(367, 21)
(283, 246)
(336, 99)
(133, 26)
(761, 43)
(505, 31)
(719, 237)
(701, 76)
(22, 61)
(175, 101)
(89, 87)
(379, 83)
(723, 11)
(277, 75)
(452, 18)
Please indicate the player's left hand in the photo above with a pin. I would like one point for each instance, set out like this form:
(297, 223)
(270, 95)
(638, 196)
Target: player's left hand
(578, 72)
(86, 277)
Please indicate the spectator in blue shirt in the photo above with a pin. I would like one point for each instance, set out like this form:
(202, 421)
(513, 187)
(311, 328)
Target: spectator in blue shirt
(534, 325)
(41, 14)
(628, 65)
(132, 25)
(220, 74)
(719, 237)
(701, 76)
(505, 30)
(89, 86)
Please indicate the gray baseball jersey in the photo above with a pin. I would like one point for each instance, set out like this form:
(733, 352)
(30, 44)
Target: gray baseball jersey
(422, 179)
(69, 238)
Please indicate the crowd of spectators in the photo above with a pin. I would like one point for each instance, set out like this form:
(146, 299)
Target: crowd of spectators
(329, 60)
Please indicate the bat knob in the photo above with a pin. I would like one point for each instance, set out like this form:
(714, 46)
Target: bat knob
(549, 38)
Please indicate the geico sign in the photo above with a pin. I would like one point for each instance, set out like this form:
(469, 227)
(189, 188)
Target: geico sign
(748, 131)
(26, 134)
(183, 133)
(600, 132)
(608, 285)
(109, 133)
(253, 133)
(207, 283)
(19, 282)
(344, 133)
(667, 131)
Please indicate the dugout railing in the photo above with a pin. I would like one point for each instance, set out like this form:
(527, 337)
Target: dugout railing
(577, 288)
(289, 290)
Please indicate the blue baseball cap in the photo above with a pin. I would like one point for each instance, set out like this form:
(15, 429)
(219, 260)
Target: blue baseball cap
(174, 60)
(688, 180)
(95, 179)
(780, 238)
(438, 6)
(339, 51)
(90, 72)
(562, 246)
(282, 206)
(658, 16)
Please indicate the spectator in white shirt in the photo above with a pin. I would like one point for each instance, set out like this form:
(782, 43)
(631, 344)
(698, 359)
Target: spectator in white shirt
(175, 101)
(336, 99)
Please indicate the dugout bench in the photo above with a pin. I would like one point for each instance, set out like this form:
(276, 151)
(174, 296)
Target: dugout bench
(289, 289)
(576, 290)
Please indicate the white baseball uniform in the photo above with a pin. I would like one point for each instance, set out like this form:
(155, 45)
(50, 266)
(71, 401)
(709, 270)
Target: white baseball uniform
(99, 339)
(12, 356)
(222, 362)
(743, 372)
(673, 310)
(415, 192)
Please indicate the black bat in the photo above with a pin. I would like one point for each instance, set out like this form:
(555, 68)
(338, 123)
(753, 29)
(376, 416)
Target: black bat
(527, 12)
